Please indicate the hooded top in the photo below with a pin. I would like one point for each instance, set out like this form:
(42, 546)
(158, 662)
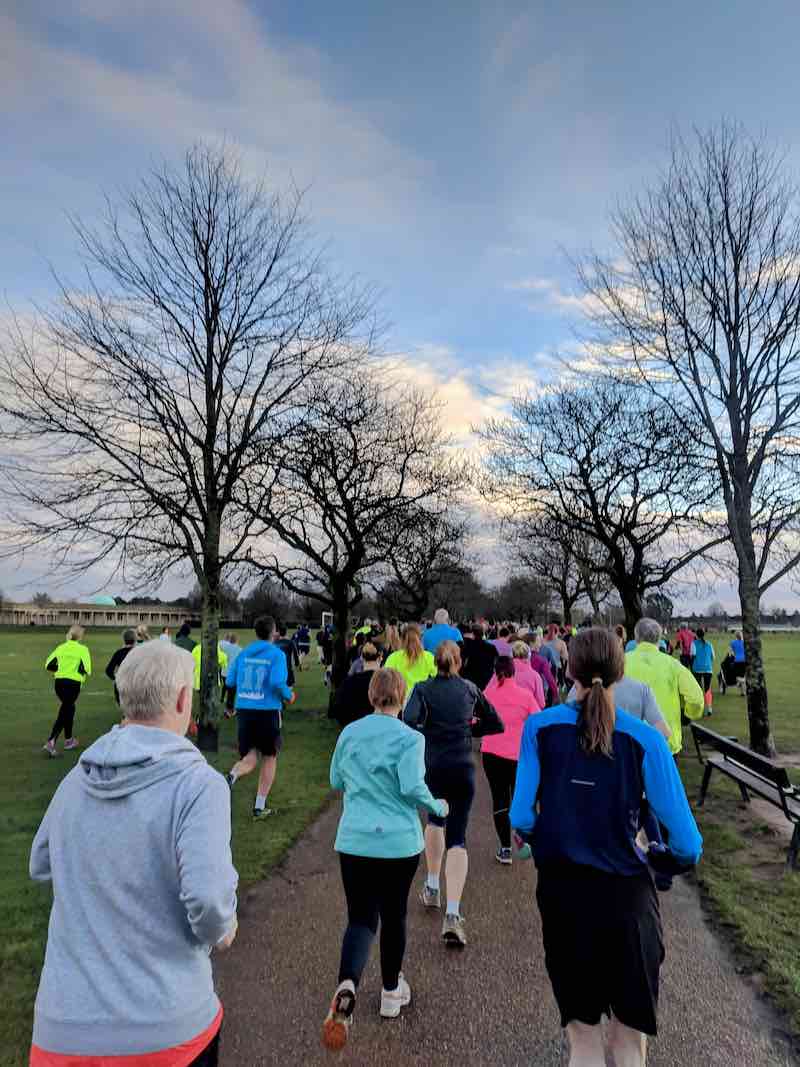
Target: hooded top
(136, 842)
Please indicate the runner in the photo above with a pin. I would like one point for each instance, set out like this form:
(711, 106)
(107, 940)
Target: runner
(703, 666)
(231, 647)
(302, 639)
(136, 846)
(392, 642)
(450, 712)
(412, 660)
(582, 770)
(351, 700)
(71, 664)
(440, 631)
(524, 673)
(501, 642)
(182, 638)
(379, 765)
(165, 635)
(259, 678)
(478, 658)
(541, 664)
(559, 654)
(291, 649)
(142, 634)
(500, 752)
(116, 661)
(683, 640)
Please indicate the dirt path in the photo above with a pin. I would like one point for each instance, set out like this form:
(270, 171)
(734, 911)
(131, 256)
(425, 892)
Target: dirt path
(491, 1004)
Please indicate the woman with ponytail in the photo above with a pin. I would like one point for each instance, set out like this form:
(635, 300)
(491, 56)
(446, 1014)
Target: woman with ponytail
(584, 768)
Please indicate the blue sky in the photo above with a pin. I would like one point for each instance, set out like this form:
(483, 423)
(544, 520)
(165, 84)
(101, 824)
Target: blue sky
(451, 151)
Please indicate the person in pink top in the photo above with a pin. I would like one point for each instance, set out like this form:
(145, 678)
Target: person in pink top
(525, 675)
(500, 752)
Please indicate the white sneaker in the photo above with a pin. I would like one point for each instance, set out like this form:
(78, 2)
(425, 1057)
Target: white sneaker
(391, 1003)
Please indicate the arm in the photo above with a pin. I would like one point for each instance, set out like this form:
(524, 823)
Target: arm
(39, 863)
(411, 777)
(549, 677)
(667, 798)
(488, 721)
(51, 663)
(691, 695)
(87, 662)
(523, 806)
(111, 669)
(278, 673)
(233, 673)
(652, 714)
(206, 873)
(337, 781)
(415, 707)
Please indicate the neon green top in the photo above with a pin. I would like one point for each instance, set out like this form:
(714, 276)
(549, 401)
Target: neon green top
(197, 651)
(673, 685)
(423, 668)
(70, 657)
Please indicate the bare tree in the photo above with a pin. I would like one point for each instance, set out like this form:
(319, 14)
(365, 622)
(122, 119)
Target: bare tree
(359, 479)
(42, 600)
(137, 415)
(602, 464)
(432, 548)
(704, 292)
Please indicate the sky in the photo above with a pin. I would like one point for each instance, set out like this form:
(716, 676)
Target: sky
(455, 154)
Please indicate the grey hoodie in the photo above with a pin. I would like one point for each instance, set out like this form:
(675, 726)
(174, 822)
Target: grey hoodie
(136, 842)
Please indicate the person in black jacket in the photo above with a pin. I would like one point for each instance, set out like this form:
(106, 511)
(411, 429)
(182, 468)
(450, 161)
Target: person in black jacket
(449, 711)
(351, 701)
(478, 657)
(129, 639)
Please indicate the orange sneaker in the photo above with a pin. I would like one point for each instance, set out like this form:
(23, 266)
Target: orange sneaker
(336, 1028)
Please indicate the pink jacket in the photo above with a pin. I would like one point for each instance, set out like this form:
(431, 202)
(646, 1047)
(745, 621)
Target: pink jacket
(530, 679)
(513, 704)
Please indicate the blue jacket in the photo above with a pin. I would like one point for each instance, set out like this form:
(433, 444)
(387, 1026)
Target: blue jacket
(703, 656)
(434, 636)
(586, 809)
(258, 675)
(379, 764)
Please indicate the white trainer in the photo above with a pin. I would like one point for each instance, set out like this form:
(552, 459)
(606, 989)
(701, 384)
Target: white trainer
(392, 1002)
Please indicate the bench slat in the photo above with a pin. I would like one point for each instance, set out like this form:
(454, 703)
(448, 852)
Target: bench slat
(764, 768)
(755, 783)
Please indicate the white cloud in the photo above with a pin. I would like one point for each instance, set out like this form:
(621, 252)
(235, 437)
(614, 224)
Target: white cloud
(548, 291)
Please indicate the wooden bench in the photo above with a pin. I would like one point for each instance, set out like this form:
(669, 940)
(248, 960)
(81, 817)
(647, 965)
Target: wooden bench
(753, 774)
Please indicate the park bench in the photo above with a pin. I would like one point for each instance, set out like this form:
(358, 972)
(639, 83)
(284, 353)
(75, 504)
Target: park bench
(753, 774)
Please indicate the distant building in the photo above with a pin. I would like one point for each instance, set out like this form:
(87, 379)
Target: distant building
(105, 613)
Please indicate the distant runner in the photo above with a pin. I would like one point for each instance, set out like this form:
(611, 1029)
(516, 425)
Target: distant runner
(71, 664)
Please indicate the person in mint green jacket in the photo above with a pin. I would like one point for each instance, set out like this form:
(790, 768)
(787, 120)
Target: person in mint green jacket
(379, 766)
(71, 664)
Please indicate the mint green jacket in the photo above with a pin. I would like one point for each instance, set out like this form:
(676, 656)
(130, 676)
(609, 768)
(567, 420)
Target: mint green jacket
(379, 765)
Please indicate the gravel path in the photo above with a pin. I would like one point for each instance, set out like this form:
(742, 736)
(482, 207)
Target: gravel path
(491, 1004)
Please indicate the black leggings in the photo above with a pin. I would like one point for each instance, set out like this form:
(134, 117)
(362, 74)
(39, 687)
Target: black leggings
(703, 679)
(67, 692)
(209, 1057)
(375, 889)
(502, 775)
(456, 785)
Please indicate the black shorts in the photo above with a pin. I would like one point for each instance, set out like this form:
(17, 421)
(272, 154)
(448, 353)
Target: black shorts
(260, 730)
(603, 944)
(456, 785)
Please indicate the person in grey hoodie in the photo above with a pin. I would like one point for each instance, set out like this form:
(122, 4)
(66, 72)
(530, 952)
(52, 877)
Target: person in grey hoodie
(136, 842)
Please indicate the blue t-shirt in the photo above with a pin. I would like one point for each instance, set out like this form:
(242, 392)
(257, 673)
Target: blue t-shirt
(737, 648)
(442, 631)
(702, 656)
(586, 808)
(259, 676)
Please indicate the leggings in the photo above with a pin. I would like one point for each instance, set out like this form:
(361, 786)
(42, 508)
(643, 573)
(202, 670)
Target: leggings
(502, 775)
(703, 679)
(209, 1057)
(375, 889)
(67, 692)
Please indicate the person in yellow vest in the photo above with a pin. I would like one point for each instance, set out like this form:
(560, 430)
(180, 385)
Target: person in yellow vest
(71, 664)
(411, 660)
(673, 685)
(222, 661)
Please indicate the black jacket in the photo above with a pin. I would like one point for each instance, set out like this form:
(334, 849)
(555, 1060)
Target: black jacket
(450, 712)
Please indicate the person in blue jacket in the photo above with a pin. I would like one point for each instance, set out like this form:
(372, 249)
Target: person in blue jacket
(440, 631)
(703, 664)
(258, 675)
(379, 766)
(583, 771)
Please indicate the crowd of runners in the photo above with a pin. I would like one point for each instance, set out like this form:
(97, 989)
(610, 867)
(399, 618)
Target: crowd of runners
(574, 730)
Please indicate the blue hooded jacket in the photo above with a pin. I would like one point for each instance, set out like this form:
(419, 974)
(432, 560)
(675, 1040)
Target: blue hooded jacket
(259, 674)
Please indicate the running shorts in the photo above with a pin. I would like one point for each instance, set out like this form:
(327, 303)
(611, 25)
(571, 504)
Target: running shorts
(603, 944)
(259, 729)
(456, 785)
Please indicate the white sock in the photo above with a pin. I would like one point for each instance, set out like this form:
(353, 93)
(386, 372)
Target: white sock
(233, 775)
(432, 882)
(261, 802)
(453, 906)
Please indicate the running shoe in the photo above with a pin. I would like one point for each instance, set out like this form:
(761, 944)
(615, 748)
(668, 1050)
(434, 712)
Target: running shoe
(71, 743)
(391, 1003)
(454, 931)
(503, 855)
(429, 897)
(263, 813)
(50, 748)
(339, 1019)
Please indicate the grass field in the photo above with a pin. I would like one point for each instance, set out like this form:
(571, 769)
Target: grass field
(741, 873)
(29, 779)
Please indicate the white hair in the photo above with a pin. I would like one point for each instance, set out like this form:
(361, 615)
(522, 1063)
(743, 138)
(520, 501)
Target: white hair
(441, 615)
(150, 678)
(647, 630)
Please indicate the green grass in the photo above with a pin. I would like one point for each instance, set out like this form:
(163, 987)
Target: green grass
(29, 779)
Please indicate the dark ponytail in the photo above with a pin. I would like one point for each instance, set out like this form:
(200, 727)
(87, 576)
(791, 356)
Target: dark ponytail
(503, 669)
(597, 661)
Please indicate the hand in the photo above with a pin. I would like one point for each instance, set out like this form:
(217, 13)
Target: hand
(293, 699)
(229, 938)
(446, 807)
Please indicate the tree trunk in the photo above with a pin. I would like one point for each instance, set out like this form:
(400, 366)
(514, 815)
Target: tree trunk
(631, 600)
(341, 627)
(209, 703)
(757, 704)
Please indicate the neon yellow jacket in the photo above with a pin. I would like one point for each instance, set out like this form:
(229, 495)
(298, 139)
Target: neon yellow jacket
(197, 651)
(70, 656)
(673, 685)
(424, 667)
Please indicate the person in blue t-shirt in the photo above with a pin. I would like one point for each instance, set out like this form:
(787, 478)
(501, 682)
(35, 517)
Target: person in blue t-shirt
(583, 771)
(703, 664)
(259, 677)
(440, 631)
(734, 666)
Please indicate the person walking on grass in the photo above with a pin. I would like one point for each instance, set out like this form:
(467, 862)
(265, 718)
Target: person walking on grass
(583, 770)
(259, 677)
(136, 845)
(71, 664)
(379, 766)
(449, 711)
(499, 752)
(231, 647)
(412, 660)
(116, 661)
(703, 666)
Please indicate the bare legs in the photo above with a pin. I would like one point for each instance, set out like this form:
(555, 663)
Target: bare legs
(586, 1045)
(248, 764)
(456, 864)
